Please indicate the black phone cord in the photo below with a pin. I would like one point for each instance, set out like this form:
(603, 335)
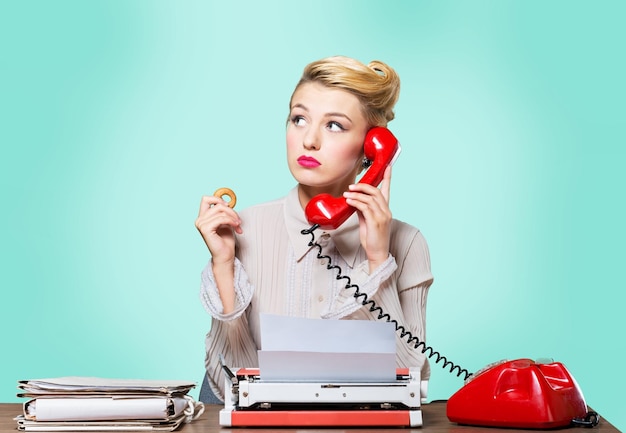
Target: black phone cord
(591, 419)
(374, 308)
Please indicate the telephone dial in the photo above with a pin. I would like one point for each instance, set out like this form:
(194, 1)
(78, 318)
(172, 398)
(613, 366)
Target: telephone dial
(520, 393)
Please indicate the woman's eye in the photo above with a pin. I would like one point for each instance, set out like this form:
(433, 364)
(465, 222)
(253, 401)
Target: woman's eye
(335, 126)
(297, 120)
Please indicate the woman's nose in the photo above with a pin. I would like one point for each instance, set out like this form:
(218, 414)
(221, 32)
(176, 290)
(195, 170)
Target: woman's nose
(311, 139)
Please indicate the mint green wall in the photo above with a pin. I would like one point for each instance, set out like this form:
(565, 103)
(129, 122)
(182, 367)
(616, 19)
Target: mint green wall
(116, 116)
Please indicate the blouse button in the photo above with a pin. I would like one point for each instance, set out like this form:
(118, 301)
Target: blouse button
(320, 298)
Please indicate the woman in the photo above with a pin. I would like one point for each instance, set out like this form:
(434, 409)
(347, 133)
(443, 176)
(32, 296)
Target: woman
(262, 263)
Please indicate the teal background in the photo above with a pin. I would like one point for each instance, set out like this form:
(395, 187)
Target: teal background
(116, 116)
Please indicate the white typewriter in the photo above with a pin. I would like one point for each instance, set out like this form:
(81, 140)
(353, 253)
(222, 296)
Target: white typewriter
(323, 373)
(252, 402)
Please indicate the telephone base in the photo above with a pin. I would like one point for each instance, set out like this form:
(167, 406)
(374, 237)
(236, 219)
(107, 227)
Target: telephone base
(520, 393)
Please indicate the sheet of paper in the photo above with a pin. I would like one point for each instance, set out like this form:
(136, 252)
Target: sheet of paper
(317, 335)
(300, 349)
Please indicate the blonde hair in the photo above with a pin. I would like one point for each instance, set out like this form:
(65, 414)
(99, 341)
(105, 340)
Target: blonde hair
(376, 85)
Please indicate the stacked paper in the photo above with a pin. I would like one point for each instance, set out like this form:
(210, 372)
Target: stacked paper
(91, 403)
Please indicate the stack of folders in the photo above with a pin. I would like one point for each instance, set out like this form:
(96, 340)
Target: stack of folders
(96, 404)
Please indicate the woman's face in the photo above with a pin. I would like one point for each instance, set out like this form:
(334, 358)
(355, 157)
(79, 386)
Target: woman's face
(325, 136)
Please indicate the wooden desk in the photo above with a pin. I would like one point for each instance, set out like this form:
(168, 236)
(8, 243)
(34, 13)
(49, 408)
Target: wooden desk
(434, 415)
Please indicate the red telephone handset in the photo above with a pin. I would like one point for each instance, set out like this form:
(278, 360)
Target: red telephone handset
(380, 147)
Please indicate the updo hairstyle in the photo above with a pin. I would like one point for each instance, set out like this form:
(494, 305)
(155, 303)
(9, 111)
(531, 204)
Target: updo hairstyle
(376, 85)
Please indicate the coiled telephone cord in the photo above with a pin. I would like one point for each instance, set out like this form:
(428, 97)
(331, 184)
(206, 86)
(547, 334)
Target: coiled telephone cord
(374, 308)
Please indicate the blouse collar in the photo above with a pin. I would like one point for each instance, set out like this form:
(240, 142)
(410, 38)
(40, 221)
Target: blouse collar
(345, 238)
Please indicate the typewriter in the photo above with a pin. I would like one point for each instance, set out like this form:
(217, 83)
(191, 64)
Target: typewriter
(252, 402)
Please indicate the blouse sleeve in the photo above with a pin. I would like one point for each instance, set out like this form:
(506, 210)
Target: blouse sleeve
(414, 281)
(229, 334)
(413, 304)
(210, 298)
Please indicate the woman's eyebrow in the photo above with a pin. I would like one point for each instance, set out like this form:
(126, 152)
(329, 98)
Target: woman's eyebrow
(330, 114)
(337, 114)
(299, 105)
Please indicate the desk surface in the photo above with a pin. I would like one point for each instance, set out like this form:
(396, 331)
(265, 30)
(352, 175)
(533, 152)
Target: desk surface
(434, 415)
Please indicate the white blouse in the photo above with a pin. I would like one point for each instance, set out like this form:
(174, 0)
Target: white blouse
(276, 271)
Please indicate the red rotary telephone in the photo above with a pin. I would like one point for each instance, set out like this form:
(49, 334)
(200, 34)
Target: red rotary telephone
(521, 393)
(380, 147)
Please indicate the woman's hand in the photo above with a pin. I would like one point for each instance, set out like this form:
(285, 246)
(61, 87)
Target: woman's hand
(217, 223)
(372, 205)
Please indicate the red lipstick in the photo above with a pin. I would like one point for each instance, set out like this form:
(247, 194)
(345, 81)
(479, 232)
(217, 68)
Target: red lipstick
(308, 161)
